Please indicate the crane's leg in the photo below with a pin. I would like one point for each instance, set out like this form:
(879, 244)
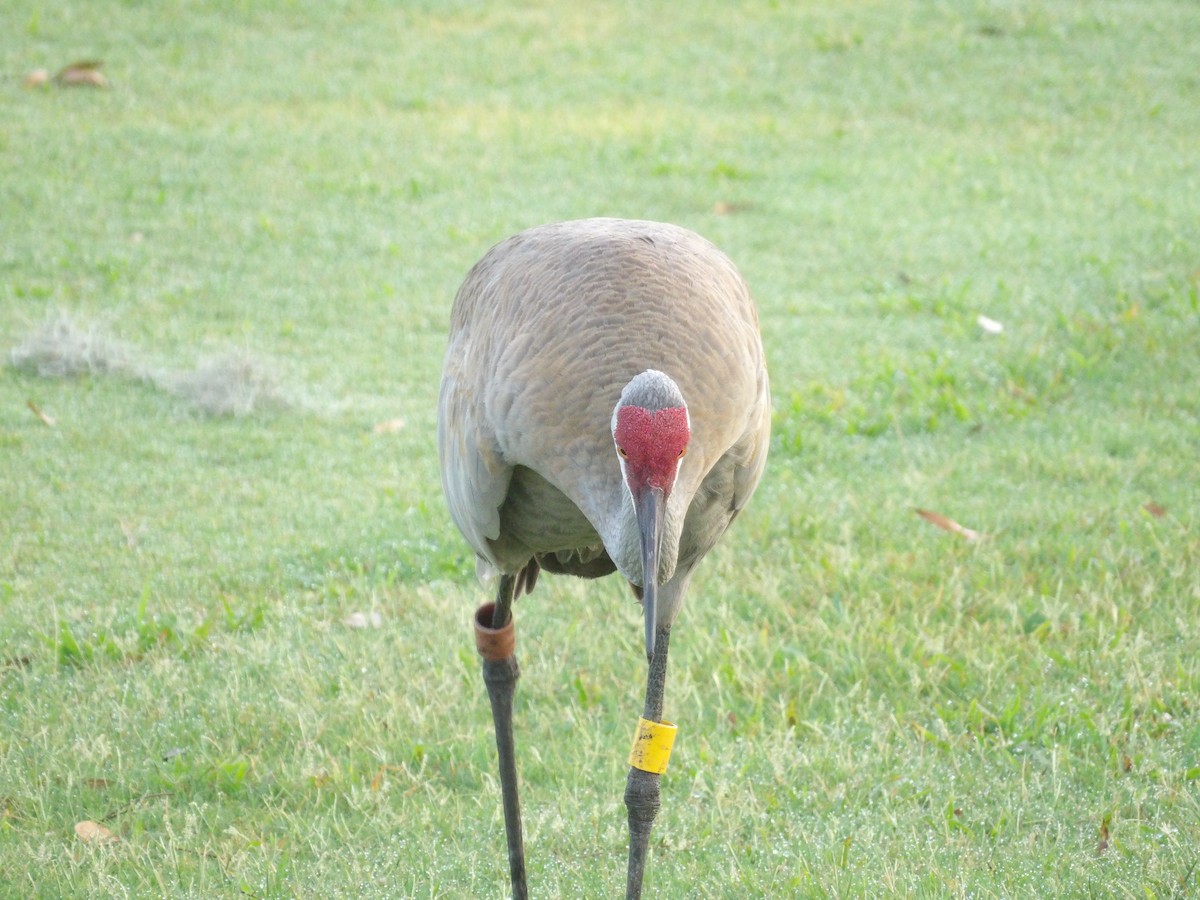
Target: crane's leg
(494, 638)
(641, 789)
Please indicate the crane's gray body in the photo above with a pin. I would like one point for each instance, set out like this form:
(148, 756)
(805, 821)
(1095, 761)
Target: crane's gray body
(545, 332)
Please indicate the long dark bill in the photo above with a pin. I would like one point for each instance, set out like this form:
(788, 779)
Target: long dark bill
(651, 512)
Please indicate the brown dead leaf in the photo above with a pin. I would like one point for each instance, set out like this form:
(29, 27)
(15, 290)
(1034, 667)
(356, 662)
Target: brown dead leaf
(947, 524)
(37, 78)
(85, 73)
(1155, 509)
(377, 781)
(96, 784)
(46, 420)
(94, 833)
(722, 208)
(391, 426)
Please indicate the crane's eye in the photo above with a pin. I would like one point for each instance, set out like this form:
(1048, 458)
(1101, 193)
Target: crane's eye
(683, 453)
(621, 452)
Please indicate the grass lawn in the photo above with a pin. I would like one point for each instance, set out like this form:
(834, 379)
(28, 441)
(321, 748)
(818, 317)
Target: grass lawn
(241, 642)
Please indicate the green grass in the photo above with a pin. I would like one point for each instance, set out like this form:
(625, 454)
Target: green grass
(868, 705)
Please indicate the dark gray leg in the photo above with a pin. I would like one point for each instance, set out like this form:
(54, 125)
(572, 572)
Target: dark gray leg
(500, 673)
(641, 789)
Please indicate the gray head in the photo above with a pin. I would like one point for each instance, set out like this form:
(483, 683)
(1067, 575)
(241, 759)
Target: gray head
(652, 390)
(651, 430)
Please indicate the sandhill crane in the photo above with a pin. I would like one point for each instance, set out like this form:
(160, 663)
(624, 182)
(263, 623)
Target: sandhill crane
(586, 360)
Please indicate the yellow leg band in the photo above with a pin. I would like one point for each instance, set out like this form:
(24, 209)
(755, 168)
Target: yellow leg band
(652, 746)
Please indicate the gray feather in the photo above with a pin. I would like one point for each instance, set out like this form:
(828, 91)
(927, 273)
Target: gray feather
(547, 331)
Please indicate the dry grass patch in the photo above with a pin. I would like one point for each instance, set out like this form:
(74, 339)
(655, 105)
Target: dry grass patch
(235, 383)
(65, 347)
